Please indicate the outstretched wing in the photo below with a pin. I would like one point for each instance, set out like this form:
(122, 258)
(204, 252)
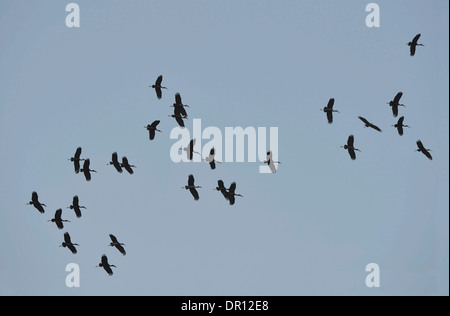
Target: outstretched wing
(395, 110)
(416, 39)
(158, 92)
(232, 199)
(77, 153)
(34, 197)
(121, 249)
(330, 103)
(126, 165)
(350, 141)
(330, 117)
(87, 174)
(72, 248)
(75, 201)
(67, 239)
(151, 134)
(114, 158)
(398, 97)
(39, 207)
(352, 154)
(375, 127)
(191, 180)
(179, 121)
(155, 124)
(158, 80)
(427, 153)
(363, 119)
(113, 238)
(58, 214)
(420, 145)
(178, 99)
(105, 260)
(194, 193)
(76, 166)
(232, 188)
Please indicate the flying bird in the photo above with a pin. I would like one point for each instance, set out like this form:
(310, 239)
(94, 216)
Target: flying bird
(76, 160)
(126, 165)
(396, 103)
(86, 170)
(105, 265)
(116, 244)
(270, 162)
(179, 116)
(190, 149)
(152, 129)
(349, 146)
(157, 86)
(211, 159)
(68, 243)
(221, 188)
(115, 162)
(399, 126)
(35, 202)
(368, 124)
(329, 110)
(57, 219)
(179, 104)
(76, 206)
(413, 44)
(192, 187)
(423, 150)
(232, 194)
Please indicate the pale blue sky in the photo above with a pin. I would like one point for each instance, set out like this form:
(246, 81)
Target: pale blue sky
(310, 229)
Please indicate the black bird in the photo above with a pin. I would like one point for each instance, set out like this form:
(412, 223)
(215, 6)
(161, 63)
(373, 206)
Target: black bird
(211, 159)
(329, 110)
(68, 243)
(368, 124)
(157, 86)
(221, 187)
(35, 202)
(116, 244)
(76, 160)
(152, 129)
(232, 194)
(57, 219)
(396, 103)
(76, 206)
(349, 146)
(180, 106)
(115, 162)
(423, 150)
(190, 149)
(105, 265)
(86, 170)
(412, 45)
(192, 187)
(400, 125)
(179, 112)
(126, 165)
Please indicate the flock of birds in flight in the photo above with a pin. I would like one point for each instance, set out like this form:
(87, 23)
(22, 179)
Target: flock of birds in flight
(229, 193)
(394, 104)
